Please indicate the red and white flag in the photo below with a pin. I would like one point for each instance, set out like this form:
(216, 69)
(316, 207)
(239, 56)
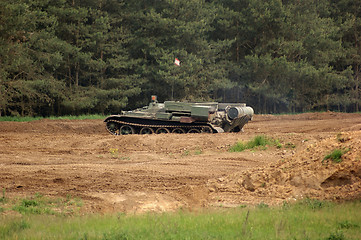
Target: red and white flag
(177, 62)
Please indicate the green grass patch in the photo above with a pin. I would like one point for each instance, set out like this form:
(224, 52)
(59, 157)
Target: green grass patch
(13, 227)
(19, 119)
(335, 155)
(258, 142)
(29, 119)
(80, 117)
(40, 205)
(3, 199)
(291, 221)
(197, 151)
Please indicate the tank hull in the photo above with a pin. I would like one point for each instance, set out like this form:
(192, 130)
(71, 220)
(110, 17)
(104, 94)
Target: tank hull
(181, 117)
(123, 125)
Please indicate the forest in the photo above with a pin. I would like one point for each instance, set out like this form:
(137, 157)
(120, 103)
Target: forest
(72, 57)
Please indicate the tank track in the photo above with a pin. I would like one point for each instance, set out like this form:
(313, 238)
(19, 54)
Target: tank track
(118, 127)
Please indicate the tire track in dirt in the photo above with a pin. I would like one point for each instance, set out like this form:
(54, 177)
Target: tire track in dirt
(156, 172)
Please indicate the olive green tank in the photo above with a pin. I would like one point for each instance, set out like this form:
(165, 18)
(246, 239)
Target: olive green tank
(181, 117)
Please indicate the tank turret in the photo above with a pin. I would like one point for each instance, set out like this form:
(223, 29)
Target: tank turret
(181, 117)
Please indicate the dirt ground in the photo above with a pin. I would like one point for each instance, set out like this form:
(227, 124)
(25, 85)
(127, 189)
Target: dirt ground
(138, 173)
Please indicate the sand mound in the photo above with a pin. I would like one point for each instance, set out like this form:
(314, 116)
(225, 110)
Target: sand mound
(305, 174)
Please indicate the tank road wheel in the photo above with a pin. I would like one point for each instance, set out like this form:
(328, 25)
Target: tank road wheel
(146, 130)
(113, 128)
(162, 130)
(193, 130)
(126, 129)
(206, 130)
(178, 130)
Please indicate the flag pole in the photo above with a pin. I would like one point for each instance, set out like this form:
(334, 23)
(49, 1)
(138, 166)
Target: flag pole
(177, 63)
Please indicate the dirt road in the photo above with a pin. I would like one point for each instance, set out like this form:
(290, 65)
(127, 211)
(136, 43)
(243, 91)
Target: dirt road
(138, 173)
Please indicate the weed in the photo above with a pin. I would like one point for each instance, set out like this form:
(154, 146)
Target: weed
(278, 144)
(186, 153)
(29, 203)
(314, 203)
(40, 205)
(286, 205)
(198, 152)
(259, 142)
(28, 119)
(335, 155)
(116, 235)
(3, 198)
(262, 205)
(290, 145)
(114, 152)
(347, 225)
(238, 147)
(336, 236)
(341, 138)
(31, 206)
(13, 227)
(70, 201)
(295, 221)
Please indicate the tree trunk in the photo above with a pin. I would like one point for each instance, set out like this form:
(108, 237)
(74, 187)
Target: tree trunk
(77, 67)
(357, 73)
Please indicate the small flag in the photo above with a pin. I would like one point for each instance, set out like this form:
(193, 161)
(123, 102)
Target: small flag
(177, 62)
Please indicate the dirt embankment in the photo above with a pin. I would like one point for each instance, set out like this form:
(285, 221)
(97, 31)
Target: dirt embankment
(138, 173)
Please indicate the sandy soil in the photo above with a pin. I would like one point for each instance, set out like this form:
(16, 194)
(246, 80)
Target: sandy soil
(138, 173)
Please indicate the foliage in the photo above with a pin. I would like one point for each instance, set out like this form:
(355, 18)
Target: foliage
(335, 155)
(98, 57)
(257, 142)
(13, 227)
(297, 221)
(314, 204)
(28, 119)
(3, 199)
(347, 224)
(336, 236)
(40, 205)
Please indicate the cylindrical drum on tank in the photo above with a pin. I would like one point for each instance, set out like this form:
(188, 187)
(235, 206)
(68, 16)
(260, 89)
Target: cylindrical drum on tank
(236, 112)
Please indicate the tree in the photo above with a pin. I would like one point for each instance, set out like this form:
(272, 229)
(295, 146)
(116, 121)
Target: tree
(347, 14)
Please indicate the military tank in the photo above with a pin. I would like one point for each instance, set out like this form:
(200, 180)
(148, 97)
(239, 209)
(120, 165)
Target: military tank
(181, 117)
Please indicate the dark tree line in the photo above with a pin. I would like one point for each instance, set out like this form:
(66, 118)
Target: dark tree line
(101, 56)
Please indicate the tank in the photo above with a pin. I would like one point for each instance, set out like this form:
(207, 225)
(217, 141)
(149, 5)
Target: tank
(181, 117)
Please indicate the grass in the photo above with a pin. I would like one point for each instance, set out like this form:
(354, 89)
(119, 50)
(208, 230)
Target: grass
(335, 155)
(259, 142)
(293, 221)
(3, 198)
(197, 151)
(41, 205)
(29, 119)
(308, 219)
